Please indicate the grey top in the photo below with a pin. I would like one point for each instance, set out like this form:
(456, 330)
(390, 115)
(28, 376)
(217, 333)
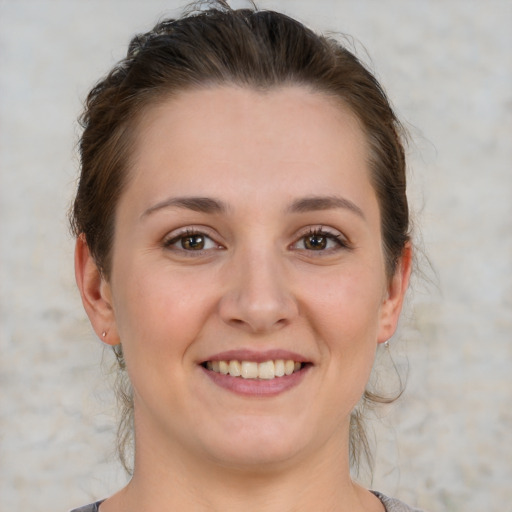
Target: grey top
(391, 505)
(93, 507)
(394, 505)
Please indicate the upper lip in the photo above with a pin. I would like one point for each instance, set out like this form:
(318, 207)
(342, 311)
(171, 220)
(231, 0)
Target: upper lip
(257, 356)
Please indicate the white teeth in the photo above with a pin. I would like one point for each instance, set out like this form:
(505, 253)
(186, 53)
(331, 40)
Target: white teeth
(223, 367)
(279, 368)
(249, 370)
(235, 369)
(266, 370)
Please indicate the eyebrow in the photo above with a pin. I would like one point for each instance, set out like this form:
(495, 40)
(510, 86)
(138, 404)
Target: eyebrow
(209, 205)
(197, 204)
(315, 203)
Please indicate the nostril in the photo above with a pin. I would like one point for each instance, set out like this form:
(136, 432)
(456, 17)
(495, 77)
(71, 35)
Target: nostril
(237, 322)
(258, 325)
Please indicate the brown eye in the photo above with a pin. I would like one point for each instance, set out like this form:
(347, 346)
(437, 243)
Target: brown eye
(321, 241)
(193, 242)
(315, 242)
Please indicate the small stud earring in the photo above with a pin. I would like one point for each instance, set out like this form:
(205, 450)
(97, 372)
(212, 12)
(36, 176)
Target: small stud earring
(386, 344)
(104, 333)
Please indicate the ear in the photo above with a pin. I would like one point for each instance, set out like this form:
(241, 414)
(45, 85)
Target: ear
(394, 298)
(96, 293)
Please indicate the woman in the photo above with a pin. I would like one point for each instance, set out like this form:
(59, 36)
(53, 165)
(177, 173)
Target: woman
(243, 244)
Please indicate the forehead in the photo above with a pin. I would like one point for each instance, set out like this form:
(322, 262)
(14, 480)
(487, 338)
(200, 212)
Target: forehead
(223, 138)
(191, 113)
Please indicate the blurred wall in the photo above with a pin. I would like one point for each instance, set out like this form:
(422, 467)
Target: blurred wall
(447, 445)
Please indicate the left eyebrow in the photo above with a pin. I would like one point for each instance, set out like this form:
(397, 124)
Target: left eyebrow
(315, 203)
(197, 204)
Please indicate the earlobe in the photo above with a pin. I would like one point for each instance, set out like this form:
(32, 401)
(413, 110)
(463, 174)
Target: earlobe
(95, 292)
(397, 288)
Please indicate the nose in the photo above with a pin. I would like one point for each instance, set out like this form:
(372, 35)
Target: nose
(258, 297)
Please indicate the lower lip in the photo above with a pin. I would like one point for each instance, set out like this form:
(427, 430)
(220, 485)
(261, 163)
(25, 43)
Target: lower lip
(257, 387)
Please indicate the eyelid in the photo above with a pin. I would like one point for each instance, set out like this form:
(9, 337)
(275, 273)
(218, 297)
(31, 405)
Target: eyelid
(333, 234)
(174, 236)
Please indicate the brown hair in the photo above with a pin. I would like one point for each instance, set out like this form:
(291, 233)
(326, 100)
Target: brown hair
(249, 48)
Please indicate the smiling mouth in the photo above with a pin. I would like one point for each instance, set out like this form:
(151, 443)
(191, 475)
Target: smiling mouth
(266, 370)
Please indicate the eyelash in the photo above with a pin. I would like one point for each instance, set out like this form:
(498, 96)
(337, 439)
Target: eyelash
(319, 232)
(188, 233)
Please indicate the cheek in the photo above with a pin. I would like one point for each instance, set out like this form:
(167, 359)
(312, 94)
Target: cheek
(158, 321)
(347, 312)
(161, 309)
(348, 303)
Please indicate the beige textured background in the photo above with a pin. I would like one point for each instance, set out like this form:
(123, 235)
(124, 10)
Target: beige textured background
(447, 445)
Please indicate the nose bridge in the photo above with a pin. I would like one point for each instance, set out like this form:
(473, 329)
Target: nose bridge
(258, 296)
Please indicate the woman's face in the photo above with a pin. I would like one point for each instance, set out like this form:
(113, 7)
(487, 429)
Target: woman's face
(248, 241)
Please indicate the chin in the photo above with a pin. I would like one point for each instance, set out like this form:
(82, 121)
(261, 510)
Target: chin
(259, 444)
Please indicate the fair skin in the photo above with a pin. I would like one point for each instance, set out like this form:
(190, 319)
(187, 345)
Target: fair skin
(278, 256)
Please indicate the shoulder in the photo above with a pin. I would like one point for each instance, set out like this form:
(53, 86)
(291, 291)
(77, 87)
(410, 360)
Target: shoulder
(394, 505)
(93, 507)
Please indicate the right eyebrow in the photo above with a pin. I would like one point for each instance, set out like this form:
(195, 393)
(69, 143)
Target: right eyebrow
(197, 204)
(315, 203)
